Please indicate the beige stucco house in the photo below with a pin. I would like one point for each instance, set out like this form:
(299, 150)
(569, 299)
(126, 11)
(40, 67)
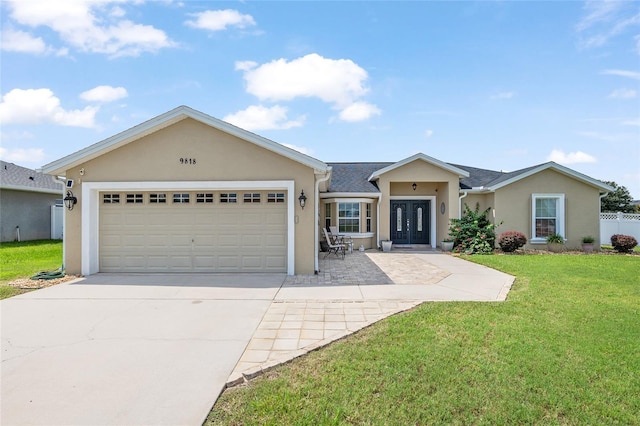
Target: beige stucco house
(185, 192)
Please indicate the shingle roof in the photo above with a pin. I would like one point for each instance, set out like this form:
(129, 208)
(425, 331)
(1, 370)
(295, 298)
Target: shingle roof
(21, 178)
(352, 177)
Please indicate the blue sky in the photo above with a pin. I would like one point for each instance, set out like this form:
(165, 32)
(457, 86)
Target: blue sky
(496, 85)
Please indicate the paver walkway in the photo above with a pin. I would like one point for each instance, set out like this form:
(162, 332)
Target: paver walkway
(347, 295)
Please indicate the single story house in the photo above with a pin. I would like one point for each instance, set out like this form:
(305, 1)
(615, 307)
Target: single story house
(27, 204)
(186, 192)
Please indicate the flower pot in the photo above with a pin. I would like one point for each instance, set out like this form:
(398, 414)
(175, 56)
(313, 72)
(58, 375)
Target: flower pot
(555, 247)
(386, 245)
(587, 247)
(446, 245)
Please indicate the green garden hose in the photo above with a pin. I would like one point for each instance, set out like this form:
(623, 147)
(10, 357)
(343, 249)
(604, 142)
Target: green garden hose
(49, 275)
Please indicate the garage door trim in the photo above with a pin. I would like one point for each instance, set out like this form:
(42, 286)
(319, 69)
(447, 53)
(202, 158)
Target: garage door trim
(91, 204)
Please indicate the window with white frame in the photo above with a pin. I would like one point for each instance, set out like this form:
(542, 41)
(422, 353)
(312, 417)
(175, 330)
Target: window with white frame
(348, 217)
(547, 216)
(368, 218)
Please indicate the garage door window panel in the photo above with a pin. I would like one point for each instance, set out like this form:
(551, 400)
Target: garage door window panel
(228, 198)
(111, 198)
(158, 198)
(182, 198)
(135, 199)
(206, 198)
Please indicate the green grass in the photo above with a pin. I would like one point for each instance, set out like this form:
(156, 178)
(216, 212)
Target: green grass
(24, 259)
(563, 349)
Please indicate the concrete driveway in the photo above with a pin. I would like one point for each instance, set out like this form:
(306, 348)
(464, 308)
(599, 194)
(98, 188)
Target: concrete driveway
(127, 349)
(159, 349)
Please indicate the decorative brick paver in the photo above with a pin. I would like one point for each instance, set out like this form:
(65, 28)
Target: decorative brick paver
(355, 292)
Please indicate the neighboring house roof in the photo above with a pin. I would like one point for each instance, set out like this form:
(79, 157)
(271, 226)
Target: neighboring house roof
(59, 167)
(22, 179)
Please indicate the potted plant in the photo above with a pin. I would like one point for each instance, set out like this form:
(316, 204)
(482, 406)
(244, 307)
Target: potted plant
(386, 245)
(587, 244)
(555, 243)
(447, 244)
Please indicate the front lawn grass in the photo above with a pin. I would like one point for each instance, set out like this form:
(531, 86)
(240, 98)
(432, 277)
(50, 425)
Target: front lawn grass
(563, 349)
(26, 258)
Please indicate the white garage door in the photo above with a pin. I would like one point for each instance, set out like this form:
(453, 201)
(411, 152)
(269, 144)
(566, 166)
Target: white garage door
(193, 232)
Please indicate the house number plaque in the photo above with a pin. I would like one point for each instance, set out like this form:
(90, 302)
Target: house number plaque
(184, 160)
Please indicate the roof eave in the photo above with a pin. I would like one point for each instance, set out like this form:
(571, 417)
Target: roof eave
(419, 156)
(60, 166)
(559, 168)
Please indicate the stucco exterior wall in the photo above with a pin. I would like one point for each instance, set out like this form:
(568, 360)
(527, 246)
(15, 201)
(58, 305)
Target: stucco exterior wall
(431, 181)
(218, 157)
(31, 211)
(513, 204)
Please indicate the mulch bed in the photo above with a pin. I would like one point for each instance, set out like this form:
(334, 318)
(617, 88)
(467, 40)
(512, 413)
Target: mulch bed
(29, 284)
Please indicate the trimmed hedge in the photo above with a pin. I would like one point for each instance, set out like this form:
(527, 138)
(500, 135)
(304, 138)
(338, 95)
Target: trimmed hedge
(623, 243)
(510, 241)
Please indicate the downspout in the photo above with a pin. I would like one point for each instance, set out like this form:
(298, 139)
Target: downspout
(600, 211)
(378, 221)
(316, 261)
(460, 203)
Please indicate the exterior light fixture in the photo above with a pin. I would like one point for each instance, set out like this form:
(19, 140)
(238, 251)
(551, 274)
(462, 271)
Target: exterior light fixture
(70, 200)
(303, 199)
(414, 186)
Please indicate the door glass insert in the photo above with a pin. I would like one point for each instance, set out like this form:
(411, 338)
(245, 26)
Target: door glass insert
(419, 219)
(399, 220)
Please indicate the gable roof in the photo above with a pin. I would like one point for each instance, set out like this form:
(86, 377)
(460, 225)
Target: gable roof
(60, 166)
(490, 180)
(23, 179)
(419, 156)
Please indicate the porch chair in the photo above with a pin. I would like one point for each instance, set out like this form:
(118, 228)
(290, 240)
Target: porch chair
(334, 245)
(343, 239)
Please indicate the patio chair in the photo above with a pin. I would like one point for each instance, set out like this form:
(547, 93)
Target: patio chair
(334, 245)
(342, 239)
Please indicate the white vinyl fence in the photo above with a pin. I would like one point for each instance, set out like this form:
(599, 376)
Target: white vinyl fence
(618, 223)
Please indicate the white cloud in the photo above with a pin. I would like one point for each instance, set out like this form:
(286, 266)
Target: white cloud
(245, 65)
(302, 149)
(623, 94)
(87, 26)
(428, 133)
(104, 94)
(258, 117)
(503, 95)
(623, 73)
(604, 20)
(359, 111)
(570, 158)
(20, 41)
(22, 155)
(36, 106)
(632, 122)
(338, 81)
(219, 20)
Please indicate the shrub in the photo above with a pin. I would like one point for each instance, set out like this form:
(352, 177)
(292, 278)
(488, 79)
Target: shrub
(555, 239)
(623, 243)
(510, 241)
(588, 239)
(473, 232)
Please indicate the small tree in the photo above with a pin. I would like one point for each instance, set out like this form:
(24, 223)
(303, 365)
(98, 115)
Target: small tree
(619, 200)
(473, 232)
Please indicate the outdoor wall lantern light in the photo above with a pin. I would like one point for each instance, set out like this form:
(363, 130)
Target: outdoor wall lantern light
(303, 199)
(70, 200)
(414, 186)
